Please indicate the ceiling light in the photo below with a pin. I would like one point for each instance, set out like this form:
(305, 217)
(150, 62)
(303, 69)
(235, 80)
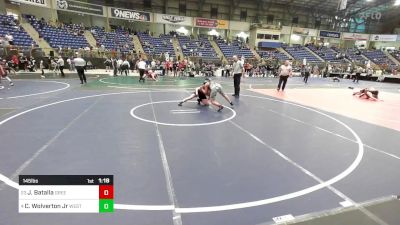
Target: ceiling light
(213, 32)
(182, 30)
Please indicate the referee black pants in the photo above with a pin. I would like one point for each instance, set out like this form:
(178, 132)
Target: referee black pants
(356, 77)
(62, 71)
(236, 83)
(306, 75)
(141, 74)
(282, 81)
(81, 73)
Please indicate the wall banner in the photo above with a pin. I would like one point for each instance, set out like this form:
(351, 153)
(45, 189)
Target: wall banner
(173, 19)
(128, 14)
(211, 23)
(80, 7)
(40, 3)
(329, 34)
(383, 37)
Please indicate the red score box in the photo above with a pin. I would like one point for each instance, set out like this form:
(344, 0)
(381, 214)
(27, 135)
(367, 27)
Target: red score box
(106, 192)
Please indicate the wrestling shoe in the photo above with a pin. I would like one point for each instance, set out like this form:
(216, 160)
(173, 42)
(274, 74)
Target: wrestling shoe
(231, 103)
(220, 108)
(198, 101)
(180, 103)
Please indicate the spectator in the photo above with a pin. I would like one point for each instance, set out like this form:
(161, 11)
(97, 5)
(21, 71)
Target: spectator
(41, 67)
(9, 38)
(125, 67)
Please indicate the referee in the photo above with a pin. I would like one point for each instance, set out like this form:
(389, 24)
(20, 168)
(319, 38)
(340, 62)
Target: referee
(237, 70)
(284, 72)
(80, 65)
(142, 67)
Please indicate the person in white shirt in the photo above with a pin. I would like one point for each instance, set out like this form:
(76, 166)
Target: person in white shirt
(60, 63)
(80, 65)
(9, 38)
(141, 65)
(166, 56)
(41, 67)
(237, 71)
(214, 89)
(69, 64)
(119, 63)
(285, 71)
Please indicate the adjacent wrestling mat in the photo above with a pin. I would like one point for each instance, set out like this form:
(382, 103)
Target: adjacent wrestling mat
(313, 154)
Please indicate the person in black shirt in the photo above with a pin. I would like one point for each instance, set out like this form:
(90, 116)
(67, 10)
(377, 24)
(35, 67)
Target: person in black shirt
(200, 93)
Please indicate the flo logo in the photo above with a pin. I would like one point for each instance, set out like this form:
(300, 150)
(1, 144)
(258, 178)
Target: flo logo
(371, 15)
(62, 4)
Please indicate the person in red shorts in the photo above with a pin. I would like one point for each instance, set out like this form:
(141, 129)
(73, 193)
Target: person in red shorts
(4, 74)
(367, 93)
(151, 75)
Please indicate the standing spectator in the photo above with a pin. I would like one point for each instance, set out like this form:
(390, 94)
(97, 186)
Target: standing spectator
(80, 65)
(41, 67)
(69, 64)
(119, 63)
(133, 63)
(284, 72)
(33, 63)
(107, 63)
(125, 67)
(227, 70)
(9, 66)
(54, 66)
(168, 67)
(114, 65)
(72, 65)
(306, 71)
(163, 66)
(2, 71)
(175, 68)
(22, 63)
(9, 38)
(246, 68)
(316, 71)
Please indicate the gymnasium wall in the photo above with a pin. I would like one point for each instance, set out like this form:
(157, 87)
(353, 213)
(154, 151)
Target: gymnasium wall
(3, 7)
(39, 12)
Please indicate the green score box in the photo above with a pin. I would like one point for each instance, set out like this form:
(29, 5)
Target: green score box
(106, 205)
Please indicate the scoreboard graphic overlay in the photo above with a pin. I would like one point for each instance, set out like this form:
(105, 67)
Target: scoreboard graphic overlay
(66, 194)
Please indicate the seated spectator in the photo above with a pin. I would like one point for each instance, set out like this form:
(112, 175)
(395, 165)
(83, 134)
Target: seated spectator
(9, 38)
